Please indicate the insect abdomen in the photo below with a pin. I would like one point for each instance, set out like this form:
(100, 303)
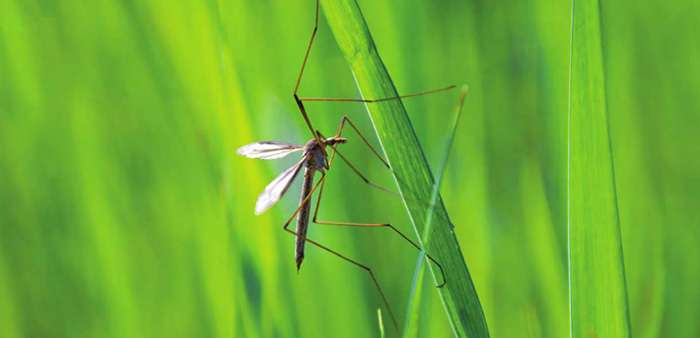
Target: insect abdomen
(303, 217)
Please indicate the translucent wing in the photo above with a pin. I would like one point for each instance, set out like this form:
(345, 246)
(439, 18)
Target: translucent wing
(268, 150)
(274, 191)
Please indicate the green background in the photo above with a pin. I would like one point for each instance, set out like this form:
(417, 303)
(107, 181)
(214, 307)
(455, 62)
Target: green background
(124, 210)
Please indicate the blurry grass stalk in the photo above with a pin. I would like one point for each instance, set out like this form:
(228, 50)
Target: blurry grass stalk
(408, 163)
(598, 297)
(411, 326)
(381, 323)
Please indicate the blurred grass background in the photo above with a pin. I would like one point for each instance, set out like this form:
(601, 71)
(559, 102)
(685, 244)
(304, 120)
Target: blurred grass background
(124, 210)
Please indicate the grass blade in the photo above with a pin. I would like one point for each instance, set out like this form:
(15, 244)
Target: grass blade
(417, 285)
(409, 165)
(381, 323)
(598, 297)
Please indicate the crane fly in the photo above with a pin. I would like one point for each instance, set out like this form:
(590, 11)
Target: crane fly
(314, 159)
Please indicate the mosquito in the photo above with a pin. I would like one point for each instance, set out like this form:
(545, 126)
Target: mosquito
(314, 159)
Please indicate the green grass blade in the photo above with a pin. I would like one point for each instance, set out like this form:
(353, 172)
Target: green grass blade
(380, 319)
(598, 297)
(416, 287)
(409, 165)
(414, 300)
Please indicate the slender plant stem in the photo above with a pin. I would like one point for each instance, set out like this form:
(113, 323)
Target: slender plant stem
(409, 166)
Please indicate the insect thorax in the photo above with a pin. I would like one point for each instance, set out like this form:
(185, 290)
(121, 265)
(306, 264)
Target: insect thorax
(314, 156)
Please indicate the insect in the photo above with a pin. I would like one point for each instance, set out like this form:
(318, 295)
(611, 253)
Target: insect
(315, 159)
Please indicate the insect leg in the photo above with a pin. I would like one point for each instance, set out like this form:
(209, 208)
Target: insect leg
(308, 50)
(316, 221)
(318, 204)
(323, 247)
(335, 99)
(340, 131)
(301, 73)
(364, 139)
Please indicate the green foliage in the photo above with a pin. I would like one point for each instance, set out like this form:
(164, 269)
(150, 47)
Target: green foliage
(124, 210)
(598, 298)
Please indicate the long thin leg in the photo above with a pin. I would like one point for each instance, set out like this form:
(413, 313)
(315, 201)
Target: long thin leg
(442, 272)
(318, 204)
(308, 50)
(335, 150)
(346, 119)
(370, 183)
(307, 239)
(340, 131)
(335, 99)
(320, 194)
(301, 73)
